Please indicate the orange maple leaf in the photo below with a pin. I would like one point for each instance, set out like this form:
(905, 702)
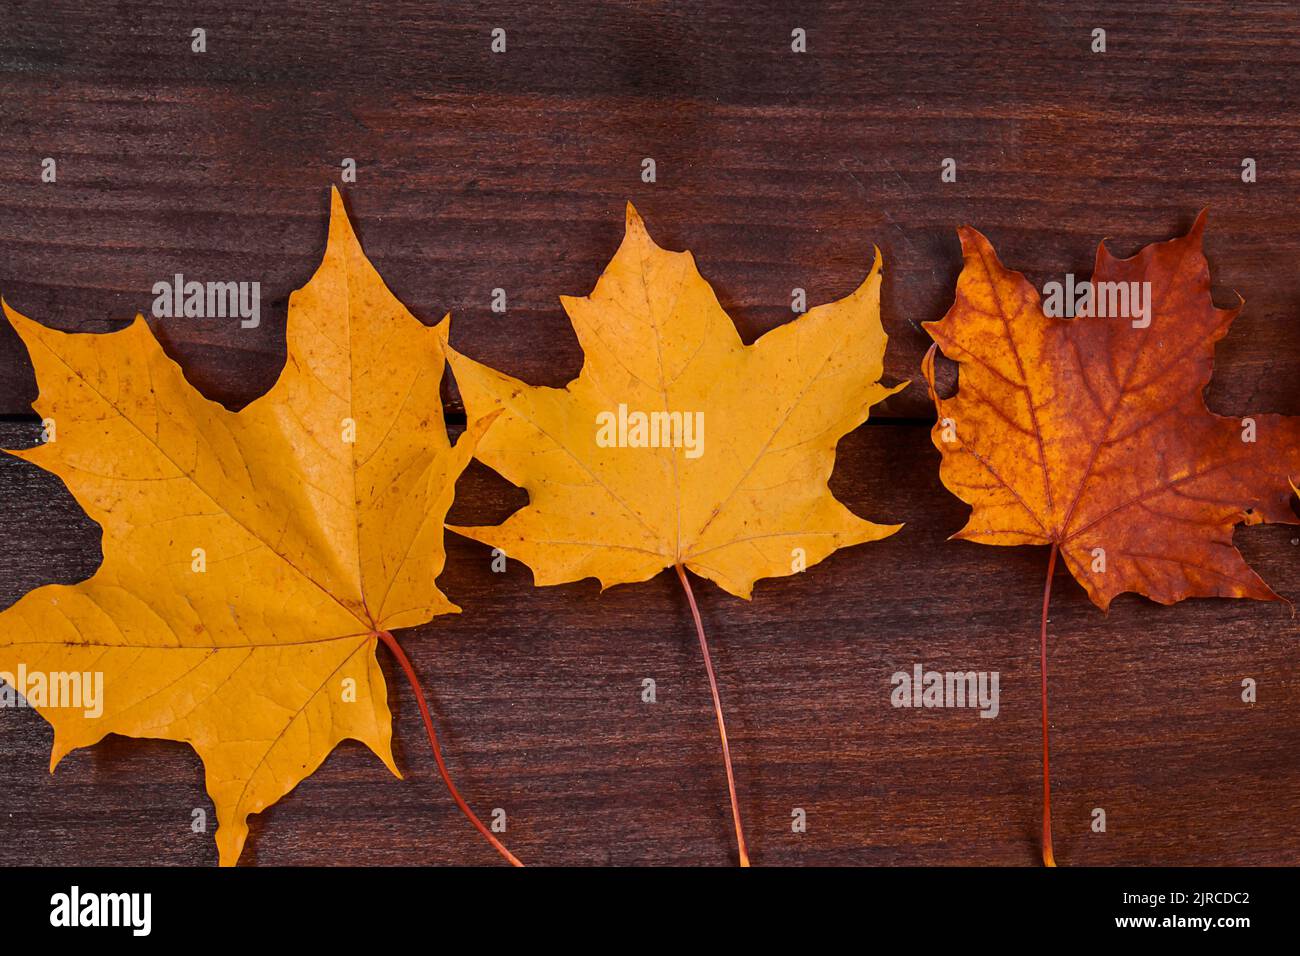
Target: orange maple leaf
(1092, 435)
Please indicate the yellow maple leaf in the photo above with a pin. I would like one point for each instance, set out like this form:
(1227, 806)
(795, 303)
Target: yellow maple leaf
(732, 506)
(677, 444)
(252, 559)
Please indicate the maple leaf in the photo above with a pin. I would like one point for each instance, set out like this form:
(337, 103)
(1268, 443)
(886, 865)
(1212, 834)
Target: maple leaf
(253, 559)
(678, 445)
(1092, 435)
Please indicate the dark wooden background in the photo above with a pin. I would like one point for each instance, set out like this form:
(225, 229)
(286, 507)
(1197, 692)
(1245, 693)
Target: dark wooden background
(778, 170)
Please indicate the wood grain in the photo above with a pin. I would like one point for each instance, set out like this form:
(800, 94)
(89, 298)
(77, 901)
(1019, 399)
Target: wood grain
(778, 170)
(481, 171)
(537, 692)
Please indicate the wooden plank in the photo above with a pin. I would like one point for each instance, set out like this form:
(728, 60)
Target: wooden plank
(482, 171)
(537, 694)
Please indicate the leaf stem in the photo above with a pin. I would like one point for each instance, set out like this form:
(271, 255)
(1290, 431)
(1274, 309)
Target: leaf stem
(391, 643)
(1048, 859)
(717, 710)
